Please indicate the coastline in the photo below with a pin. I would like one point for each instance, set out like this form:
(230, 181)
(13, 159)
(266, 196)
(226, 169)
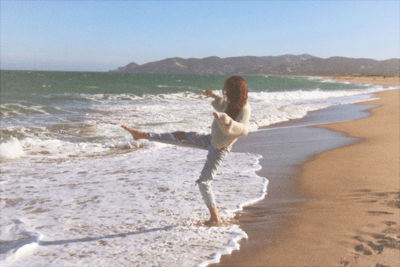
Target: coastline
(372, 79)
(349, 217)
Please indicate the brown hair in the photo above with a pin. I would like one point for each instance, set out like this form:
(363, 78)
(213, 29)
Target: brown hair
(235, 89)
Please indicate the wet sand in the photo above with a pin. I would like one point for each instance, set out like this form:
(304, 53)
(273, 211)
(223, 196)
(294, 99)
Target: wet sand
(340, 207)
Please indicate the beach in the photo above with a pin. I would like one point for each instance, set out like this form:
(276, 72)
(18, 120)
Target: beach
(200, 133)
(341, 209)
(77, 190)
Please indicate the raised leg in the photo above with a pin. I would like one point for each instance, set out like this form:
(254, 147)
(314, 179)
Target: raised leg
(190, 139)
(136, 134)
(179, 135)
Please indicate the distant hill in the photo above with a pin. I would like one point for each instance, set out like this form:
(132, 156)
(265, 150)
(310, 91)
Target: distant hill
(277, 65)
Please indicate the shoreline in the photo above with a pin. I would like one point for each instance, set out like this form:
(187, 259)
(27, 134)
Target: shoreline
(372, 79)
(302, 218)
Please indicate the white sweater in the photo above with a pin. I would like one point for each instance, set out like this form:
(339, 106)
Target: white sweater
(224, 130)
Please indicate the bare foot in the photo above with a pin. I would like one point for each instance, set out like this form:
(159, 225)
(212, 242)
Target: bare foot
(213, 222)
(136, 134)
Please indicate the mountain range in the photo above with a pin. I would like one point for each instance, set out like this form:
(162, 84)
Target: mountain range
(304, 64)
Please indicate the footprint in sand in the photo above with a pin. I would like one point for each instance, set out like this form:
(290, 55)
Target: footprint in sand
(375, 212)
(389, 223)
(385, 204)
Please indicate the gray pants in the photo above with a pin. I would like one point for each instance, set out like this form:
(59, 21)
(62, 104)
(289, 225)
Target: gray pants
(214, 159)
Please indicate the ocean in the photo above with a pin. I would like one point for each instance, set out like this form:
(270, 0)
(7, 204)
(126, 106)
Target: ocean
(76, 190)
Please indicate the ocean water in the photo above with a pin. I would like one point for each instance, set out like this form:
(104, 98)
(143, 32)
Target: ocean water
(76, 190)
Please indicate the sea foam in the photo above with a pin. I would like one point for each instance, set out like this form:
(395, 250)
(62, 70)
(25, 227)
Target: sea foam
(133, 208)
(11, 149)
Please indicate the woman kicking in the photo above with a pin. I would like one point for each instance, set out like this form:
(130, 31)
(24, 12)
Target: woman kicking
(230, 122)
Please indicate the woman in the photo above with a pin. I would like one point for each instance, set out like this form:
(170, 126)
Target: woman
(231, 120)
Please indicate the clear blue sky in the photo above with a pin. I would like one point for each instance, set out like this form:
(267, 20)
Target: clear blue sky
(103, 35)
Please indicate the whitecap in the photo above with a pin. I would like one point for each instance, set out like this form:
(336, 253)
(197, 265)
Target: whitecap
(11, 149)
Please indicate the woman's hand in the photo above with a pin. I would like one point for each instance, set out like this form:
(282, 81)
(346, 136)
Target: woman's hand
(224, 120)
(209, 93)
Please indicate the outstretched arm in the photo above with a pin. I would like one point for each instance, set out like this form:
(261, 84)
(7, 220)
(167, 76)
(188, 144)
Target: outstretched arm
(210, 93)
(218, 103)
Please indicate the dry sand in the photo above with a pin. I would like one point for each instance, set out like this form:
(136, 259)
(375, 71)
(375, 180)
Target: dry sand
(351, 216)
(382, 80)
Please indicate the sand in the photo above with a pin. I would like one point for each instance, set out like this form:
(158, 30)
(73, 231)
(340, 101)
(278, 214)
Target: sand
(382, 80)
(350, 212)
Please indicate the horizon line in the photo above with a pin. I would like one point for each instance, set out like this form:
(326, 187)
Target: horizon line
(177, 57)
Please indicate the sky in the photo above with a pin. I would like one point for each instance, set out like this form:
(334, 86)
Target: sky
(104, 35)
